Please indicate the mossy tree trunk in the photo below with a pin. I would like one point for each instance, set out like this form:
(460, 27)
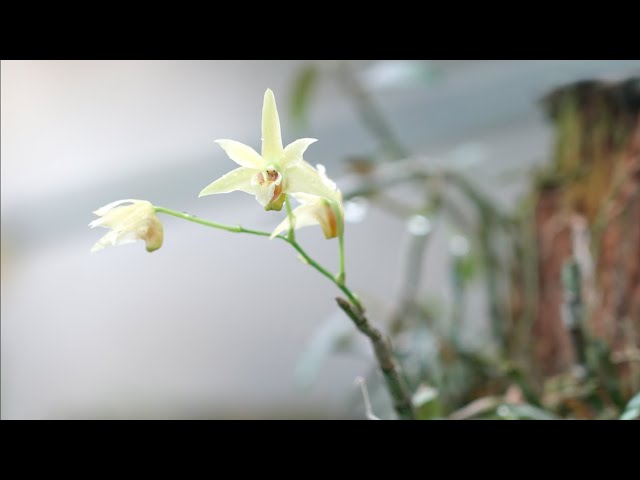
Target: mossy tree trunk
(587, 231)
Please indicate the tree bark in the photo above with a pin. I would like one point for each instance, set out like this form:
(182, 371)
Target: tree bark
(587, 217)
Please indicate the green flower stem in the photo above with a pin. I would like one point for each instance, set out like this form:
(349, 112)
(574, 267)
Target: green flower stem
(292, 227)
(238, 229)
(342, 275)
(207, 223)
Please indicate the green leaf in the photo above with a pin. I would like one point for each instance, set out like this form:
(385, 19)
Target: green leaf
(465, 268)
(303, 87)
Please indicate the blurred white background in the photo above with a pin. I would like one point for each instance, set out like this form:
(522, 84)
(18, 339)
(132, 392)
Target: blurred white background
(213, 324)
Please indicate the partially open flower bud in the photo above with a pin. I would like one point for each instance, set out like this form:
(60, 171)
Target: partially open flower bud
(315, 210)
(129, 223)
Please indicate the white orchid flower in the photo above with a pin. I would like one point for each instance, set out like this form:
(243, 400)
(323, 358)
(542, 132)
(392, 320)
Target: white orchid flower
(129, 223)
(275, 173)
(317, 210)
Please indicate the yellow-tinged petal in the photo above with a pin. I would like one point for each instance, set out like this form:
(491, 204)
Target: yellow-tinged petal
(294, 151)
(271, 136)
(122, 217)
(238, 179)
(242, 154)
(303, 178)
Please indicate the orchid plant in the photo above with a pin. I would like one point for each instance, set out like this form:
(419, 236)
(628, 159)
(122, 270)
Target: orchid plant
(274, 177)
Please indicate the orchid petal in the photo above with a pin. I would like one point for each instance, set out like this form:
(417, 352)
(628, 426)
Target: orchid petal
(303, 178)
(121, 217)
(103, 210)
(242, 154)
(304, 216)
(271, 136)
(294, 151)
(238, 179)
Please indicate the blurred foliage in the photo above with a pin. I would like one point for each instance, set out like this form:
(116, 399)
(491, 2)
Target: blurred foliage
(632, 411)
(303, 87)
(494, 377)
